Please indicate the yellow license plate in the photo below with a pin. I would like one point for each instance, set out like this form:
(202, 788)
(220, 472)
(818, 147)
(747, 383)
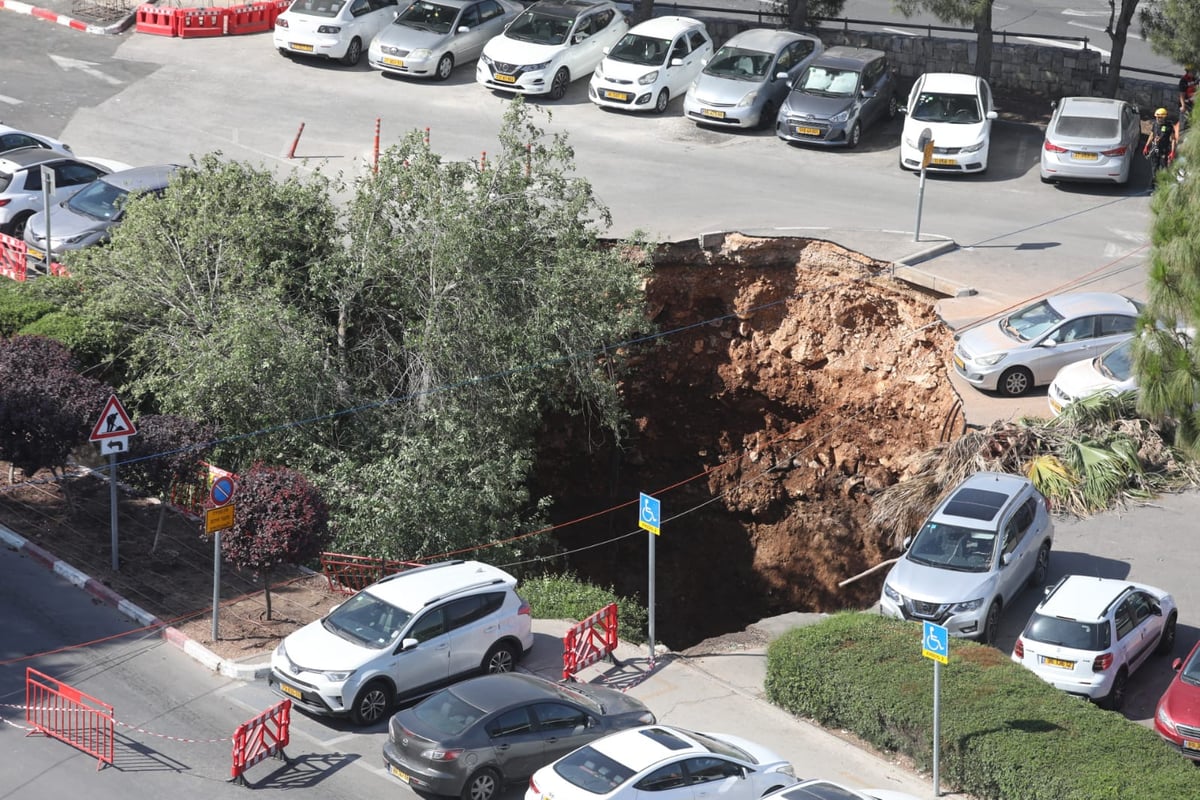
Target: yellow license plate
(946, 162)
(34, 253)
(507, 78)
(611, 95)
(1084, 156)
(303, 48)
(708, 112)
(807, 131)
(958, 362)
(1058, 662)
(1056, 406)
(291, 691)
(1191, 744)
(402, 775)
(394, 62)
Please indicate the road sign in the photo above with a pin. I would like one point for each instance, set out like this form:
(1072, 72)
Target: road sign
(935, 642)
(221, 491)
(113, 422)
(650, 513)
(219, 518)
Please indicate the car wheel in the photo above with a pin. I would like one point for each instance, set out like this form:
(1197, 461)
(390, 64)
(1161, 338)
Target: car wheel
(16, 228)
(501, 658)
(558, 86)
(991, 624)
(353, 53)
(1166, 642)
(1016, 381)
(372, 704)
(855, 135)
(1116, 697)
(663, 100)
(769, 113)
(445, 66)
(1038, 576)
(892, 107)
(482, 785)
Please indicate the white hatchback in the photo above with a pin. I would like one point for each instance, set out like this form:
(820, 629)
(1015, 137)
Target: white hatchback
(654, 62)
(335, 29)
(957, 111)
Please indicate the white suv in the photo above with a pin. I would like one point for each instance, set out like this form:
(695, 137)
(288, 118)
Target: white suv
(404, 636)
(1090, 634)
(989, 538)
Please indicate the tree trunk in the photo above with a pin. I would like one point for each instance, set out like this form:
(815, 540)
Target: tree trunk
(162, 517)
(983, 42)
(642, 11)
(267, 591)
(797, 14)
(1118, 31)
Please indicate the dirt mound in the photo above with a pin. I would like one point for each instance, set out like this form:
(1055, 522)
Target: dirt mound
(795, 379)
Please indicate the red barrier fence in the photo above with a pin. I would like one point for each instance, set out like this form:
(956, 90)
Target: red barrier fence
(265, 735)
(200, 22)
(69, 715)
(250, 19)
(190, 23)
(590, 641)
(12, 257)
(155, 20)
(348, 574)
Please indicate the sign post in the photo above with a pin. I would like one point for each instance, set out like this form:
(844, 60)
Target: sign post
(112, 431)
(48, 190)
(650, 519)
(216, 520)
(925, 143)
(935, 644)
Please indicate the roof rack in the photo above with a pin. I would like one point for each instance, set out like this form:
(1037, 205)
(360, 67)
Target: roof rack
(438, 565)
(462, 589)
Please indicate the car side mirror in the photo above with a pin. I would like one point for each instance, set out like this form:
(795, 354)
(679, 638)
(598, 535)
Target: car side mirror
(907, 542)
(867, 94)
(408, 644)
(781, 76)
(1005, 559)
(605, 50)
(676, 62)
(1156, 610)
(464, 28)
(579, 37)
(992, 115)
(1051, 342)
(1176, 664)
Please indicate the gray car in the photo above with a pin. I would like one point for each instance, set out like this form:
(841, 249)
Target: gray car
(1091, 139)
(844, 91)
(431, 37)
(472, 738)
(1028, 347)
(21, 194)
(87, 217)
(744, 83)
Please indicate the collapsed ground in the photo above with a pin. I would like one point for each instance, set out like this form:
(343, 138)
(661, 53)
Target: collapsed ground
(796, 381)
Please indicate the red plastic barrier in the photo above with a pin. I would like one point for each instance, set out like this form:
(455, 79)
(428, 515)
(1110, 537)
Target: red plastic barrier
(198, 22)
(349, 574)
(250, 19)
(280, 7)
(159, 21)
(265, 735)
(58, 269)
(590, 641)
(12, 257)
(69, 715)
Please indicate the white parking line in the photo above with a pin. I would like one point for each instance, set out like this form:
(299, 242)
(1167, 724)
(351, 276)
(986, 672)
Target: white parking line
(12, 101)
(1074, 12)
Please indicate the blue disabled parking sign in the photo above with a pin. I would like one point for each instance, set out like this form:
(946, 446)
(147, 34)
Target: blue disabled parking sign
(649, 513)
(935, 642)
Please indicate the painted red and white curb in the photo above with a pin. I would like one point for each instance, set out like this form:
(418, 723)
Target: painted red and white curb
(231, 669)
(60, 19)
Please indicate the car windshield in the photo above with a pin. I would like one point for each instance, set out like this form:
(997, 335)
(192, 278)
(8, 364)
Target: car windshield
(1088, 128)
(428, 17)
(446, 714)
(636, 49)
(532, 26)
(828, 81)
(957, 109)
(592, 771)
(318, 8)
(953, 547)
(1117, 363)
(739, 64)
(1031, 321)
(365, 619)
(100, 200)
(1091, 636)
(1191, 670)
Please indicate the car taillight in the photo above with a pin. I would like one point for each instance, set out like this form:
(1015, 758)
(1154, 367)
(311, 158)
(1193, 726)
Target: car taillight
(5, 201)
(1019, 648)
(442, 756)
(524, 609)
(1051, 147)
(1116, 151)
(281, 23)
(1102, 662)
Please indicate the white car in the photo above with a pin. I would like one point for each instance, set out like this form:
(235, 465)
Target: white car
(21, 190)
(14, 139)
(957, 111)
(1111, 372)
(431, 37)
(336, 29)
(652, 63)
(550, 44)
(821, 789)
(665, 763)
(1090, 634)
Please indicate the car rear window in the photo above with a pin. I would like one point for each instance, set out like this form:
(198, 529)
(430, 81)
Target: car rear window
(1071, 633)
(592, 771)
(5, 180)
(1088, 127)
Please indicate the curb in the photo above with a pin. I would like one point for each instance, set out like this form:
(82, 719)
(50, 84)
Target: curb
(223, 666)
(63, 19)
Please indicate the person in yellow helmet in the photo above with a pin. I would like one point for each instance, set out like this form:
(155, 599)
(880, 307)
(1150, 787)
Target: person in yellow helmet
(1160, 144)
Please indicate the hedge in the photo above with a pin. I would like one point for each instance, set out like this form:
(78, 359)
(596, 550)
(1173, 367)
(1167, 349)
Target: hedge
(1005, 733)
(567, 597)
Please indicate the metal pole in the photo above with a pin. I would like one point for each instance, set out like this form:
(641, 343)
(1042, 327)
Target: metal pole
(47, 191)
(650, 598)
(112, 485)
(216, 582)
(937, 726)
(920, 202)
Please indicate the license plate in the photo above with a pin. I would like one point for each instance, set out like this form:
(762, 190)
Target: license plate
(807, 131)
(708, 112)
(945, 162)
(291, 691)
(1058, 662)
(1084, 156)
(394, 62)
(1191, 744)
(611, 95)
(958, 362)
(303, 48)
(1056, 406)
(34, 253)
(402, 775)
(507, 78)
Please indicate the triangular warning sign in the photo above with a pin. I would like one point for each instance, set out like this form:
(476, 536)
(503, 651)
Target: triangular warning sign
(113, 422)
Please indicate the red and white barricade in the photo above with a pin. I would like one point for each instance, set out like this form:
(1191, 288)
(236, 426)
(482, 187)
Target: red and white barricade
(265, 735)
(55, 709)
(590, 640)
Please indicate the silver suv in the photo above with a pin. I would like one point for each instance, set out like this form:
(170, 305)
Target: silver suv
(21, 194)
(989, 538)
(404, 636)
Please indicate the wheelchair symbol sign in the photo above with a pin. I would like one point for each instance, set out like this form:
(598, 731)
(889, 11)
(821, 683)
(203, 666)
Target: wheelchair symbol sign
(649, 513)
(935, 642)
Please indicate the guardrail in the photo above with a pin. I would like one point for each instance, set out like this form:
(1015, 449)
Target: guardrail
(1001, 35)
(348, 574)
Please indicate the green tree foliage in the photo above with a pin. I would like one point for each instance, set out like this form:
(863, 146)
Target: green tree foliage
(281, 518)
(1119, 18)
(801, 12)
(976, 13)
(167, 452)
(1173, 29)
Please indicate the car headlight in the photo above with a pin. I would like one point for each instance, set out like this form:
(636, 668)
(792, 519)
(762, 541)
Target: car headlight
(1166, 720)
(748, 100)
(970, 605)
(989, 360)
(648, 78)
(974, 148)
(892, 594)
(77, 238)
(841, 116)
(485, 58)
(598, 72)
(536, 67)
(329, 29)
(911, 143)
(337, 677)
(420, 54)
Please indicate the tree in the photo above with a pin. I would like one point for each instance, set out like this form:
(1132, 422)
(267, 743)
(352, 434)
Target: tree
(1173, 29)
(976, 13)
(280, 519)
(1118, 31)
(800, 12)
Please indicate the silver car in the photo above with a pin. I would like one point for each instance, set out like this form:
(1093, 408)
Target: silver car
(21, 194)
(744, 83)
(1090, 139)
(981, 545)
(844, 91)
(431, 37)
(1028, 347)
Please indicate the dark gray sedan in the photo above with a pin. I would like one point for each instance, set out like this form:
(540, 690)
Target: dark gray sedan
(431, 37)
(472, 738)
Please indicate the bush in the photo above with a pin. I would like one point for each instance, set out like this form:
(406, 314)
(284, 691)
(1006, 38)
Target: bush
(566, 597)
(75, 332)
(1004, 732)
(20, 307)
